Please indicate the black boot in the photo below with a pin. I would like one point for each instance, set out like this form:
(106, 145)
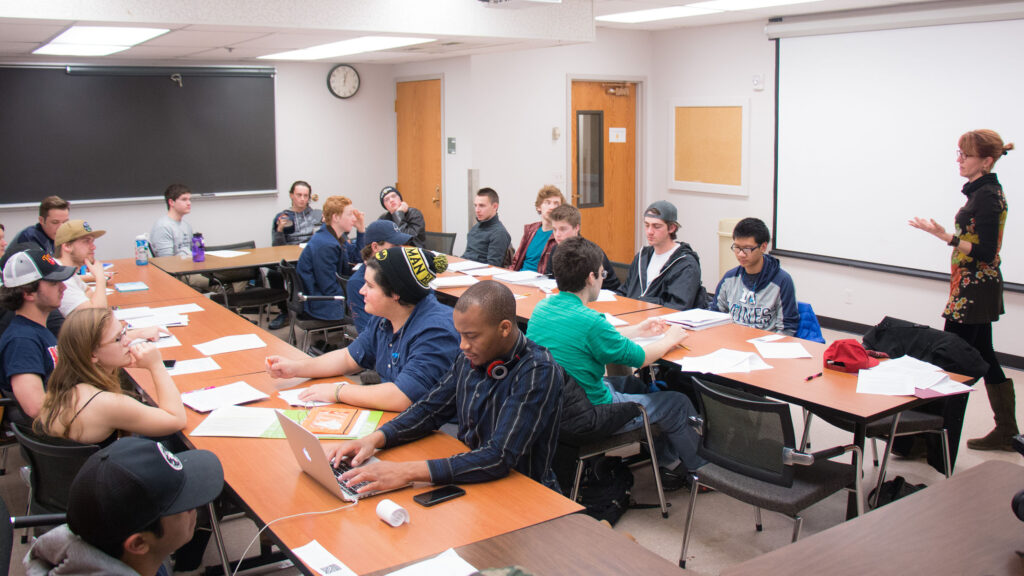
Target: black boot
(1004, 407)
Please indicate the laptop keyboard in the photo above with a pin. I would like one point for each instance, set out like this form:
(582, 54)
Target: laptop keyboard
(352, 490)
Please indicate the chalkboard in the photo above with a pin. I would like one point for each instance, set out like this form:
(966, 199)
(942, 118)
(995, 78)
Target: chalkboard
(115, 133)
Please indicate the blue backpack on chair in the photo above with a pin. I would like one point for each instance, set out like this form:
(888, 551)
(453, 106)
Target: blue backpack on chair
(809, 328)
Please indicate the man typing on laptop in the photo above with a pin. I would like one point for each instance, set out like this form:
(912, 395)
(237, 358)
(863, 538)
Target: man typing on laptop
(505, 391)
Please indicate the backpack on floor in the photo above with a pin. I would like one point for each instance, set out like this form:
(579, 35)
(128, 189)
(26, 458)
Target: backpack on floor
(605, 488)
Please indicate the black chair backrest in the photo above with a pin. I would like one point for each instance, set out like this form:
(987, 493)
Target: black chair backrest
(6, 538)
(293, 284)
(54, 463)
(247, 245)
(443, 242)
(745, 433)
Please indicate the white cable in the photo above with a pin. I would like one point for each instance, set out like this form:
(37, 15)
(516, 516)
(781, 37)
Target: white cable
(267, 525)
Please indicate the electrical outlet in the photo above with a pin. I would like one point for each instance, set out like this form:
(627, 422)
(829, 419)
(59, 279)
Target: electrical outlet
(758, 82)
(848, 296)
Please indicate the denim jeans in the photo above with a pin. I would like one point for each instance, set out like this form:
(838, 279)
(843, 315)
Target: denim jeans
(671, 412)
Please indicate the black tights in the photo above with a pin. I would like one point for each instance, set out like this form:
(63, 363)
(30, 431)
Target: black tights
(980, 337)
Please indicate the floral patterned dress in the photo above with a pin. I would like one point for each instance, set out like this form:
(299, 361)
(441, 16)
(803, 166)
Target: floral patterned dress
(976, 283)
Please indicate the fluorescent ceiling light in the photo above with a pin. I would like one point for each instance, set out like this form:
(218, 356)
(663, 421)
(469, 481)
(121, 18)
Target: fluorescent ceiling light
(347, 47)
(98, 40)
(667, 13)
(745, 4)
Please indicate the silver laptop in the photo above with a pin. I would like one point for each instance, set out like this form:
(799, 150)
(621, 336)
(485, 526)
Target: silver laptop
(311, 458)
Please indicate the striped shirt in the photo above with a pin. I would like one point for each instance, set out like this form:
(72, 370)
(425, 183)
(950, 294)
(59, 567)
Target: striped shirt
(508, 424)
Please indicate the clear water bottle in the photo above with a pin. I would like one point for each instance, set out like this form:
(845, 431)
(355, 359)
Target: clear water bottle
(198, 248)
(141, 251)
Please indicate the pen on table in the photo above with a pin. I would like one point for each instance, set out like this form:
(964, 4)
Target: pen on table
(813, 376)
(685, 347)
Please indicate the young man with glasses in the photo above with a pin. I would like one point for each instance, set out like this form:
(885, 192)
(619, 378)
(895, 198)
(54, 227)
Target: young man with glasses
(758, 292)
(665, 272)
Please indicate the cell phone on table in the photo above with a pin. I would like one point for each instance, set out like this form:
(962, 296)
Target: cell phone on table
(436, 496)
(170, 363)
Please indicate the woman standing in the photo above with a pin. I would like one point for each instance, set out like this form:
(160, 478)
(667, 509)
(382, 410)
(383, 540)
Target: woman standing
(84, 401)
(976, 285)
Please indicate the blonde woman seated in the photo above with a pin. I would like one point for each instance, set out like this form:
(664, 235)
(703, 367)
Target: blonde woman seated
(84, 401)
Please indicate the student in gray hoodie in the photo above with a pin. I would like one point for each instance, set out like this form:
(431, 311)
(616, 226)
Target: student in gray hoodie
(758, 292)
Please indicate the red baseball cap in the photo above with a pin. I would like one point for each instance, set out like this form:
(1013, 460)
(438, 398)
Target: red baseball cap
(848, 355)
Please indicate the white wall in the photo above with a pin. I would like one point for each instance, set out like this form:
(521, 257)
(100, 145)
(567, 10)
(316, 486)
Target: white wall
(501, 107)
(719, 62)
(339, 146)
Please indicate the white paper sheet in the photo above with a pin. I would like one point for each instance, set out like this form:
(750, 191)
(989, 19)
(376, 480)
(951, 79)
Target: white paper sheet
(521, 277)
(885, 383)
(130, 286)
(225, 253)
(781, 350)
(723, 361)
(323, 562)
(950, 387)
(193, 366)
(292, 398)
(452, 281)
(231, 344)
(178, 309)
(167, 341)
(918, 373)
(546, 284)
(488, 271)
(158, 320)
(237, 422)
(615, 321)
(649, 340)
(606, 296)
(129, 313)
(766, 338)
(232, 394)
(447, 563)
(697, 318)
(465, 265)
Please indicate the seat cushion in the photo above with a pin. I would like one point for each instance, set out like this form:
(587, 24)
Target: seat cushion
(811, 484)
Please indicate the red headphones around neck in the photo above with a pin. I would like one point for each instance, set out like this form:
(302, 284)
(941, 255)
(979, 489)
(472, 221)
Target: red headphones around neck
(499, 368)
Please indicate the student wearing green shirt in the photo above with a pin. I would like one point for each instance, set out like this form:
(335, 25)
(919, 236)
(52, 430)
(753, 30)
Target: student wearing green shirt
(583, 342)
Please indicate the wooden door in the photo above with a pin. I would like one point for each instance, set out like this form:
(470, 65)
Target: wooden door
(605, 113)
(418, 112)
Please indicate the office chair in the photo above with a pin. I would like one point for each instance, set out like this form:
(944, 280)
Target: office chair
(260, 297)
(750, 447)
(442, 242)
(298, 318)
(8, 524)
(587, 431)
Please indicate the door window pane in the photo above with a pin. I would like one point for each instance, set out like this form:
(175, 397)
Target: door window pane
(590, 158)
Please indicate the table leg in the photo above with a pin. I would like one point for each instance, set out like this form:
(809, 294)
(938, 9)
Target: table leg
(859, 433)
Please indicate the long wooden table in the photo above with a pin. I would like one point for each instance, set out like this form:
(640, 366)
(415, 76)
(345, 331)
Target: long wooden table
(254, 257)
(266, 478)
(958, 525)
(568, 546)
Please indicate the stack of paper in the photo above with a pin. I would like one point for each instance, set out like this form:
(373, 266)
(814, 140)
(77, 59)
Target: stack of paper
(157, 320)
(605, 296)
(488, 271)
(131, 286)
(246, 422)
(464, 265)
(452, 281)
(209, 399)
(723, 361)
(548, 285)
(521, 277)
(698, 319)
(907, 376)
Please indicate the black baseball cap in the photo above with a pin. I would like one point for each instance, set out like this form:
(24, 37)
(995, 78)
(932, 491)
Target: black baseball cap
(130, 484)
(385, 231)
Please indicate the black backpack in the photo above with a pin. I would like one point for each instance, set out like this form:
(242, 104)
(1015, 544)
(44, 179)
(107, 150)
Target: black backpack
(605, 488)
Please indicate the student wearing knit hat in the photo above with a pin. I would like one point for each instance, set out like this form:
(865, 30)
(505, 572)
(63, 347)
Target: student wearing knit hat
(408, 220)
(410, 341)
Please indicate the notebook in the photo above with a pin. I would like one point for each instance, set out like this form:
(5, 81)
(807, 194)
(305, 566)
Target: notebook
(313, 461)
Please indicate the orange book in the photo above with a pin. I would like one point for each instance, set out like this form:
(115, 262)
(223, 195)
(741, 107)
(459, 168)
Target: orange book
(330, 420)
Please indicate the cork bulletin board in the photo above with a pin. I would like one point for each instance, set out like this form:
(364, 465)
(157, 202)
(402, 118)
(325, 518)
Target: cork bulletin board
(708, 147)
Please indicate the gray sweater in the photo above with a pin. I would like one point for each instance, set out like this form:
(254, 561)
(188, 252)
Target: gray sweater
(487, 242)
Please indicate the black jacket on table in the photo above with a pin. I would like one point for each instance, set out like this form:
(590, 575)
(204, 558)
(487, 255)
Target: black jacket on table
(678, 286)
(976, 283)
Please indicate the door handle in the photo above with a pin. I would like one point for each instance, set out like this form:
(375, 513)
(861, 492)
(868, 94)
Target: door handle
(437, 196)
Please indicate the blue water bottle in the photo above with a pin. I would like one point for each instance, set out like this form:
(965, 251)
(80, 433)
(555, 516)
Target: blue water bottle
(198, 248)
(141, 251)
